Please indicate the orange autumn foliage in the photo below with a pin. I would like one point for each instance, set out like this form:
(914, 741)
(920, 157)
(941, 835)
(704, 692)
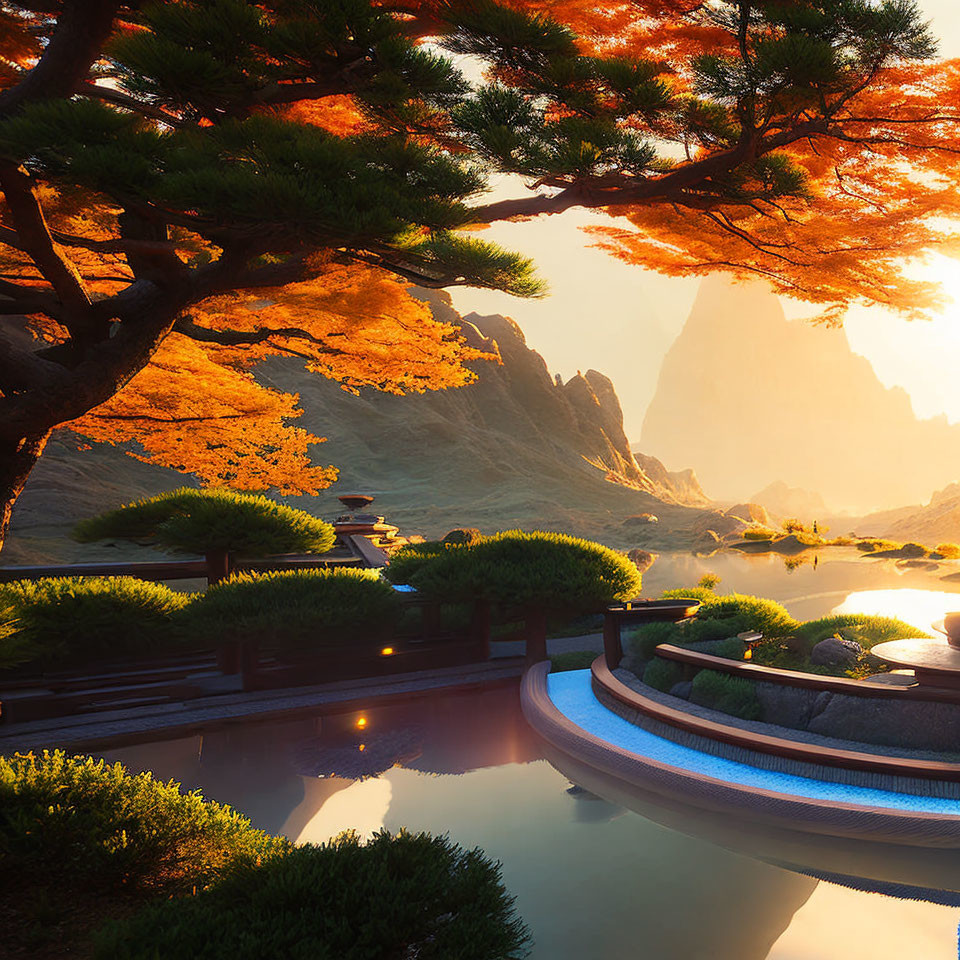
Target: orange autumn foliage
(364, 330)
(231, 432)
(873, 185)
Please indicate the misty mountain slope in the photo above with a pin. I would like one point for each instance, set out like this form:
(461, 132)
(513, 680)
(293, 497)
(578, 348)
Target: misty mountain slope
(751, 398)
(515, 448)
(933, 523)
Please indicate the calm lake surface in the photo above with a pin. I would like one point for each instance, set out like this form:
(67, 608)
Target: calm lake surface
(592, 880)
(837, 579)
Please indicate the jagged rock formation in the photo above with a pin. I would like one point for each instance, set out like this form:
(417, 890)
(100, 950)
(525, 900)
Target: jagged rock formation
(515, 448)
(751, 398)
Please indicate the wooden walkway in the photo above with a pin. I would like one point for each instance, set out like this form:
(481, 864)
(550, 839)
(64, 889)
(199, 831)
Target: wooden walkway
(172, 720)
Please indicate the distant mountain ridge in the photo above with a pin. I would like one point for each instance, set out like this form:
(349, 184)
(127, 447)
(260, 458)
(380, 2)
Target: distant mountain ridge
(752, 398)
(516, 448)
(930, 524)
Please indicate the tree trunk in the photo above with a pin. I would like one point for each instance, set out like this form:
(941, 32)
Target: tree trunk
(17, 459)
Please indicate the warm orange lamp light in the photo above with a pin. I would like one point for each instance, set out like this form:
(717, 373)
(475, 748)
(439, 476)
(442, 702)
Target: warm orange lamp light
(361, 722)
(386, 652)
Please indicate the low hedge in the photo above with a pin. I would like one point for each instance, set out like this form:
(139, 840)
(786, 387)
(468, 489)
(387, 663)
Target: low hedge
(396, 896)
(296, 608)
(520, 569)
(736, 696)
(572, 660)
(866, 629)
(202, 521)
(14, 649)
(662, 674)
(81, 839)
(173, 875)
(75, 620)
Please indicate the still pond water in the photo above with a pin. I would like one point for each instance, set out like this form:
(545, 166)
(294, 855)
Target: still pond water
(592, 880)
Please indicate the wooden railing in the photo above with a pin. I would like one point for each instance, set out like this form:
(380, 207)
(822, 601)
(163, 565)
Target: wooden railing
(807, 681)
(215, 566)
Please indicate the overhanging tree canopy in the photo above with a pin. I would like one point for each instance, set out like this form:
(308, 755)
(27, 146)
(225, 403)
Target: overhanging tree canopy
(191, 187)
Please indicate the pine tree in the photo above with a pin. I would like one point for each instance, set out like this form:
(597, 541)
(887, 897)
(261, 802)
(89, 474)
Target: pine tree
(190, 187)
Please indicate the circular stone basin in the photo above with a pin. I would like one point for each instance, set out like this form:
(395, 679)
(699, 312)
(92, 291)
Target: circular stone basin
(355, 501)
(922, 655)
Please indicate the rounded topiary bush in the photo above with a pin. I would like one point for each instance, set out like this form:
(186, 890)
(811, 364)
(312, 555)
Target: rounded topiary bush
(746, 613)
(296, 608)
(203, 521)
(521, 570)
(81, 840)
(74, 620)
(395, 896)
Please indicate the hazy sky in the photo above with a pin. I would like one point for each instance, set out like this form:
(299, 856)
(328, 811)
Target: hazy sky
(621, 320)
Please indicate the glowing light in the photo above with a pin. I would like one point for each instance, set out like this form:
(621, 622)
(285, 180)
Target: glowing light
(362, 747)
(386, 652)
(748, 653)
(361, 723)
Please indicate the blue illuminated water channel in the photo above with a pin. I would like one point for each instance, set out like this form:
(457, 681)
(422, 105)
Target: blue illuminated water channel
(593, 881)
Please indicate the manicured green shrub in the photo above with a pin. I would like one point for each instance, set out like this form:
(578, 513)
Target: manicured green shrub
(521, 569)
(728, 694)
(202, 521)
(81, 840)
(865, 629)
(767, 616)
(401, 896)
(703, 594)
(407, 563)
(949, 551)
(643, 640)
(730, 648)
(662, 674)
(74, 620)
(572, 660)
(14, 647)
(296, 608)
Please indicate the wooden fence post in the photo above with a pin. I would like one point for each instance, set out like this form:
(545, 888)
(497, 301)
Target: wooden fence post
(535, 634)
(218, 566)
(612, 644)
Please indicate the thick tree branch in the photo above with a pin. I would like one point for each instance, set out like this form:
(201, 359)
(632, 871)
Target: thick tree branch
(127, 102)
(36, 241)
(82, 28)
(232, 338)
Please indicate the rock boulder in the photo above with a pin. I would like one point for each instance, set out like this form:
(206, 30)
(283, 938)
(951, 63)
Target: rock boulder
(836, 652)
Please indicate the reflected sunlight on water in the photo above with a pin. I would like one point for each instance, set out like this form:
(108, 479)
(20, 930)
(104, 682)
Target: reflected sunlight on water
(918, 607)
(824, 929)
(362, 806)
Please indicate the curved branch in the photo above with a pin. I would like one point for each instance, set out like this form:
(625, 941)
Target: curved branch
(82, 28)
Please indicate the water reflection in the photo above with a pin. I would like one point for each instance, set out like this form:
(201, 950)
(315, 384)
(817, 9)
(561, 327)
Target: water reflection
(918, 607)
(810, 591)
(592, 879)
